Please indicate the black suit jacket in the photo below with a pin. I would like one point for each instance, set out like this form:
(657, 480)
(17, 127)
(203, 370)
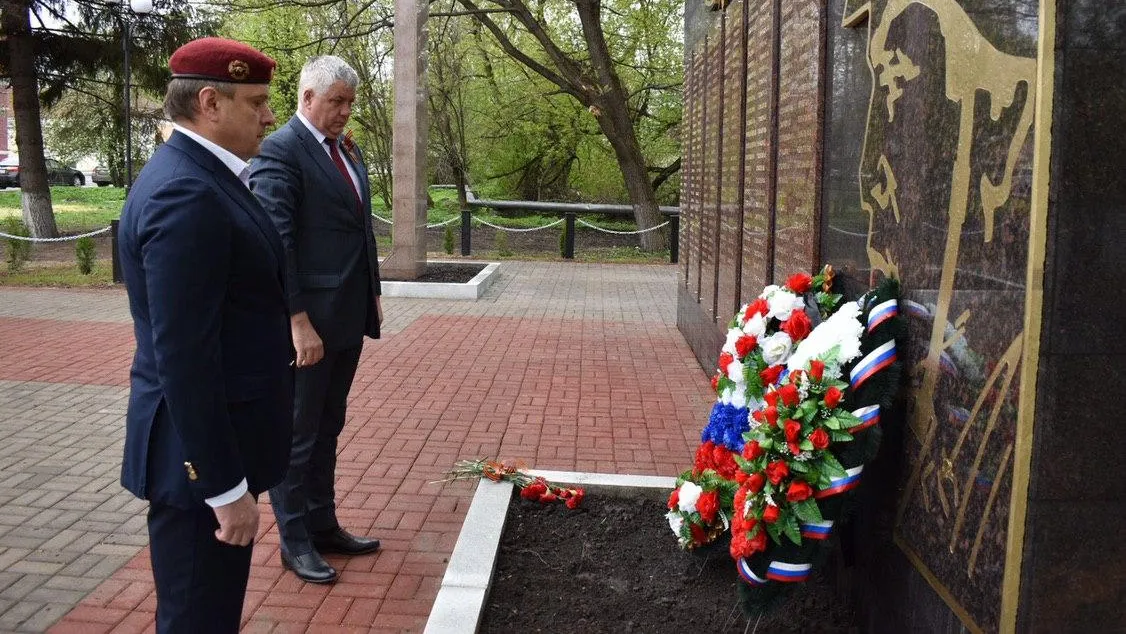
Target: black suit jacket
(211, 383)
(332, 266)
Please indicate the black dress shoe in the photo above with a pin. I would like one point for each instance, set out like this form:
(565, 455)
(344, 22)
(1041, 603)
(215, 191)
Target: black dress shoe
(311, 567)
(339, 541)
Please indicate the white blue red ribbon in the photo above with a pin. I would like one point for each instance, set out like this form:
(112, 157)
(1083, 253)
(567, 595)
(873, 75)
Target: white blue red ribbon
(869, 417)
(747, 574)
(875, 361)
(790, 573)
(839, 485)
(817, 530)
(882, 313)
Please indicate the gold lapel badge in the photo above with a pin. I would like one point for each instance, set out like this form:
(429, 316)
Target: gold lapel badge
(190, 468)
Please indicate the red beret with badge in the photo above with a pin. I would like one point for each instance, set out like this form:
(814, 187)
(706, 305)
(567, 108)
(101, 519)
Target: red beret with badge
(220, 59)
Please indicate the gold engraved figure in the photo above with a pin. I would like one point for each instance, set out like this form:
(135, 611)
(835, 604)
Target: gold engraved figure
(943, 143)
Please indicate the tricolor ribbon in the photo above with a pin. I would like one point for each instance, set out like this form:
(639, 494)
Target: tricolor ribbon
(817, 530)
(791, 573)
(869, 416)
(747, 574)
(875, 361)
(882, 313)
(840, 485)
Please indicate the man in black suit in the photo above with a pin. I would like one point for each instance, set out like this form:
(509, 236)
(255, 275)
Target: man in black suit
(211, 387)
(312, 181)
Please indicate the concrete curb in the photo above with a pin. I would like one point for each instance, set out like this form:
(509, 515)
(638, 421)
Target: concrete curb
(473, 289)
(465, 587)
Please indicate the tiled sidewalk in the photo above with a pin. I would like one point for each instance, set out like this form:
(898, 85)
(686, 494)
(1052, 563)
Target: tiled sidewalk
(563, 366)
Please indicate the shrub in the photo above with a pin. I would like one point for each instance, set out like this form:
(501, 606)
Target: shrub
(19, 251)
(85, 252)
(448, 240)
(501, 242)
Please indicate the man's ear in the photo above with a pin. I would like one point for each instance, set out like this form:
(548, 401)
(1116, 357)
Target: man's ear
(208, 98)
(307, 97)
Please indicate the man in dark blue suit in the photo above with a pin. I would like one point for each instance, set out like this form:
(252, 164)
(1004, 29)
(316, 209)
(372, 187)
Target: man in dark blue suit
(211, 388)
(311, 179)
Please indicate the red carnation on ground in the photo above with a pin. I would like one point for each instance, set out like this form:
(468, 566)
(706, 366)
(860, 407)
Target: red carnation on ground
(816, 369)
(707, 506)
(797, 326)
(576, 498)
(770, 514)
(832, 397)
(789, 394)
(799, 282)
(799, 491)
(745, 345)
(548, 497)
(533, 491)
(819, 438)
(777, 471)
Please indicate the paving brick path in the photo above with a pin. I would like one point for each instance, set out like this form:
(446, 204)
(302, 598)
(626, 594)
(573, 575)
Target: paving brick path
(563, 366)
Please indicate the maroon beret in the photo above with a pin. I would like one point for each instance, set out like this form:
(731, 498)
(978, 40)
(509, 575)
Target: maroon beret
(221, 60)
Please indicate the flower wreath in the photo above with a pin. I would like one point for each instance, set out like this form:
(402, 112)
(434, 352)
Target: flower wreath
(808, 445)
(760, 339)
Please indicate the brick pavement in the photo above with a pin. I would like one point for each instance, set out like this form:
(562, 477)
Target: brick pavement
(564, 366)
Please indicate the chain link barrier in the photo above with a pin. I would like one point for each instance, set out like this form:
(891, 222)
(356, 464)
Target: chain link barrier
(620, 233)
(61, 239)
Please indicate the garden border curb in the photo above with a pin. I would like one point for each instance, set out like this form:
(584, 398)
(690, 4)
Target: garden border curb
(465, 587)
(473, 289)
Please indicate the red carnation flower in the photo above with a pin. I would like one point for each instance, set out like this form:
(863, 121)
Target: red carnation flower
(777, 471)
(798, 325)
(533, 491)
(771, 398)
(752, 450)
(576, 498)
(816, 369)
(674, 499)
(741, 476)
(792, 429)
(770, 514)
(715, 382)
(771, 415)
(744, 345)
(548, 497)
(832, 397)
(707, 506)
(799, 282)
(725, 464)
(755, 482)
(770, 375)
(704, 456)
(739, 546)
(819, 438)
(758, 542)
(799, 491)
(789, 394)
(757, 307)
(725, 360)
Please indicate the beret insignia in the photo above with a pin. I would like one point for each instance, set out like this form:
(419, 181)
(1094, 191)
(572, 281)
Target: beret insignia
(238, 70)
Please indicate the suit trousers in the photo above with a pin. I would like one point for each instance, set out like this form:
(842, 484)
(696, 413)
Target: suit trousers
(305, 502)
(200, 581)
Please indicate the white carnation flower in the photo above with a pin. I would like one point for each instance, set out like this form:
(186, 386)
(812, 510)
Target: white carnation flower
(732, 336)
(689, 494)
(735, 371)
(782, 303)
(841, 330)
(739, 396)
(768, 291)
(776, 348)
(676, 522)
(755, 326)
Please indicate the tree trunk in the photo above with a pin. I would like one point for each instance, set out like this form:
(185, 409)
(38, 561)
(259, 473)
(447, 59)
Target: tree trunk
(37, 212)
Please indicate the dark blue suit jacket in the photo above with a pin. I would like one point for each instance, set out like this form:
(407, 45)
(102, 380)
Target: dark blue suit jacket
(332, 267)
(211, 385)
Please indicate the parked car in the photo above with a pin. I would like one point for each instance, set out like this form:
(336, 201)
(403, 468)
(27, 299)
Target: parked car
(58, 173)
(101, 176)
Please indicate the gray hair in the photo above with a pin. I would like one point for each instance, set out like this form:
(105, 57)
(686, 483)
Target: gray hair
(181, 99)
(321, 72)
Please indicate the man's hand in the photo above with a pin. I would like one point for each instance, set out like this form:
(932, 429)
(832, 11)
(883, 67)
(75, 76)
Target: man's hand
(379, 309)
(310, 349)
(238, 521)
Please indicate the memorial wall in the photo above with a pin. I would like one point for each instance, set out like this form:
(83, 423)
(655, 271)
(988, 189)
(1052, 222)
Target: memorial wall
(969, 148)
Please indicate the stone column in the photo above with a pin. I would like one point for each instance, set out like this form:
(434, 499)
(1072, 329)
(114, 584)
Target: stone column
(407, 259)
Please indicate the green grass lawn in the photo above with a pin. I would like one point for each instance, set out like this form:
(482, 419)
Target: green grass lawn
(57, 275)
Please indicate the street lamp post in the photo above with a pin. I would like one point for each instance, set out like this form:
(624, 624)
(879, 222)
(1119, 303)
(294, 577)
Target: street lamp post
(139, 7)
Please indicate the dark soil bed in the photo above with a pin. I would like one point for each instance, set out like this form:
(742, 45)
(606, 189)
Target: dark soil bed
(613, 566)
(446, 272)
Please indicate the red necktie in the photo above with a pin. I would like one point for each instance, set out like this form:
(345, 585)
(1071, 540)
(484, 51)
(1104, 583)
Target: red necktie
(336, 158)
